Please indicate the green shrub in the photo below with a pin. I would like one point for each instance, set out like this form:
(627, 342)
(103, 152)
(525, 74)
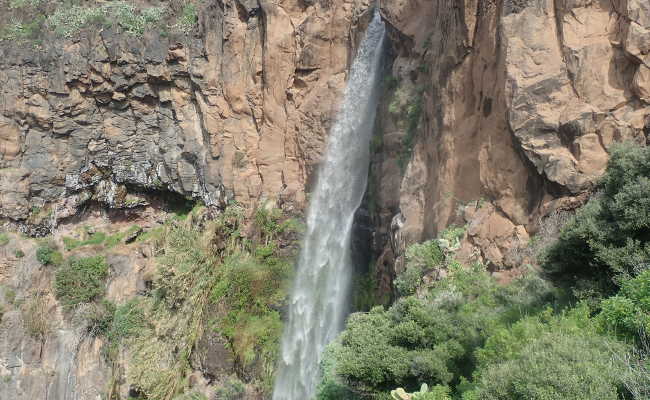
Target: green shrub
(94, 239)
(4, 239)
(232, 389)
(430, 338)
(80, 280)
(19, 253)
(607, 241)
(413, 118)
(628, 312)
(549, 357)
(128, 320)
(17, 30)
(47, 254)
(438, 392)
(17, 4)
(216, 274)
(420, 259)
(99, 317)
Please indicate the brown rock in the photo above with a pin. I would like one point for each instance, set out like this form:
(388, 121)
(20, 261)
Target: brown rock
(641, 83)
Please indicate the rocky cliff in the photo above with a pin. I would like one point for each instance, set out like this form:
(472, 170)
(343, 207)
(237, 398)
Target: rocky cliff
(495, 114)
(517, 105)
(237, 110)
(101, 128)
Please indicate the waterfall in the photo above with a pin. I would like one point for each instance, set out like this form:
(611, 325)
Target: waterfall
(319, 301)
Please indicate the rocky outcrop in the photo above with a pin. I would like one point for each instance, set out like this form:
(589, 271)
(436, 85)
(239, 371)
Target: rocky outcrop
(237, 111)
(522, 100)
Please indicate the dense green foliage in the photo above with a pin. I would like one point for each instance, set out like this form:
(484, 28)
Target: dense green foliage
(549, 357)
(607, 241)
(97, 238)
(47, 254)
(80, 280)
(628, 312)
(475, 339)
(67, 21)
(431, 338)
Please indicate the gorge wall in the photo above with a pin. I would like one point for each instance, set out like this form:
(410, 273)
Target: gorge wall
(237, 111)
(495, 113)
(520, 103)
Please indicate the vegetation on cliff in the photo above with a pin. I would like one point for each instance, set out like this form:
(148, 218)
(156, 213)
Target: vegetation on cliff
(574, 331)
(223, 277)
(68, 19)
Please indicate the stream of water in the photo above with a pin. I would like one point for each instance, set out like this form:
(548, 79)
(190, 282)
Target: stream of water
(320, 298)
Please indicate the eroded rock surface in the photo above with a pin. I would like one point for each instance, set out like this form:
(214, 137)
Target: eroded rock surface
(521, 103)
(238, 110)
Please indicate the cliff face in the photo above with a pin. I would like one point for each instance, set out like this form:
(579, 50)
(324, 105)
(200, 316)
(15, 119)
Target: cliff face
(521, 102)
(495, 114)
(96, 131)
(239, 110)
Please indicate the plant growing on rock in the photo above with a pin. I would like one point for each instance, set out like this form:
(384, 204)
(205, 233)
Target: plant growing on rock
(80, 280)
(226, 272)
(47, 254)
(438, 392)
(36, 317)
(606, 242)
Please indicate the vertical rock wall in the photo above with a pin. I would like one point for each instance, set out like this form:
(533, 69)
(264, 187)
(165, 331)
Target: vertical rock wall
(522, 101)
(238, 110)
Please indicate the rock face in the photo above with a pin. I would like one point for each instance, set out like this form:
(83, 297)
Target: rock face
(239, 110)
(521, 102)
(496, 113)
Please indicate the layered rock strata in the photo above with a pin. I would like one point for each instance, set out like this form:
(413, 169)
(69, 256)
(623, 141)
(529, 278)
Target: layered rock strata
(239, 110)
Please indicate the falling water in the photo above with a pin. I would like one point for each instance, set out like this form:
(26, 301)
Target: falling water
(319, 302)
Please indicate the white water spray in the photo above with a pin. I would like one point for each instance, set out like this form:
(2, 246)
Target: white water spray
(319, 302)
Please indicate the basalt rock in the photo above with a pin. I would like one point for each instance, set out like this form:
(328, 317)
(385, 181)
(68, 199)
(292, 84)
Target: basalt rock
(521, 103)
(238, 110)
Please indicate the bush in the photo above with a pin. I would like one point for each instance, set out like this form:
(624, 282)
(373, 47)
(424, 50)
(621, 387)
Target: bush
(19, 253)
(94, 239)
(216, 274)
(628, 313)
(232, 389)
(4, 239)
(17, 30)
(430, 338)
(81, 280)
(47, 254)
(17, 4)
(36, 317)
(99, 318)
(607, 241)
(187, 20)
(549, 357)
(128, 320)
(420, 259)
(438, 392)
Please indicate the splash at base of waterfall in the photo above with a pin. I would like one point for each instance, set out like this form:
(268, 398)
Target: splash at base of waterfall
(320, 297)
